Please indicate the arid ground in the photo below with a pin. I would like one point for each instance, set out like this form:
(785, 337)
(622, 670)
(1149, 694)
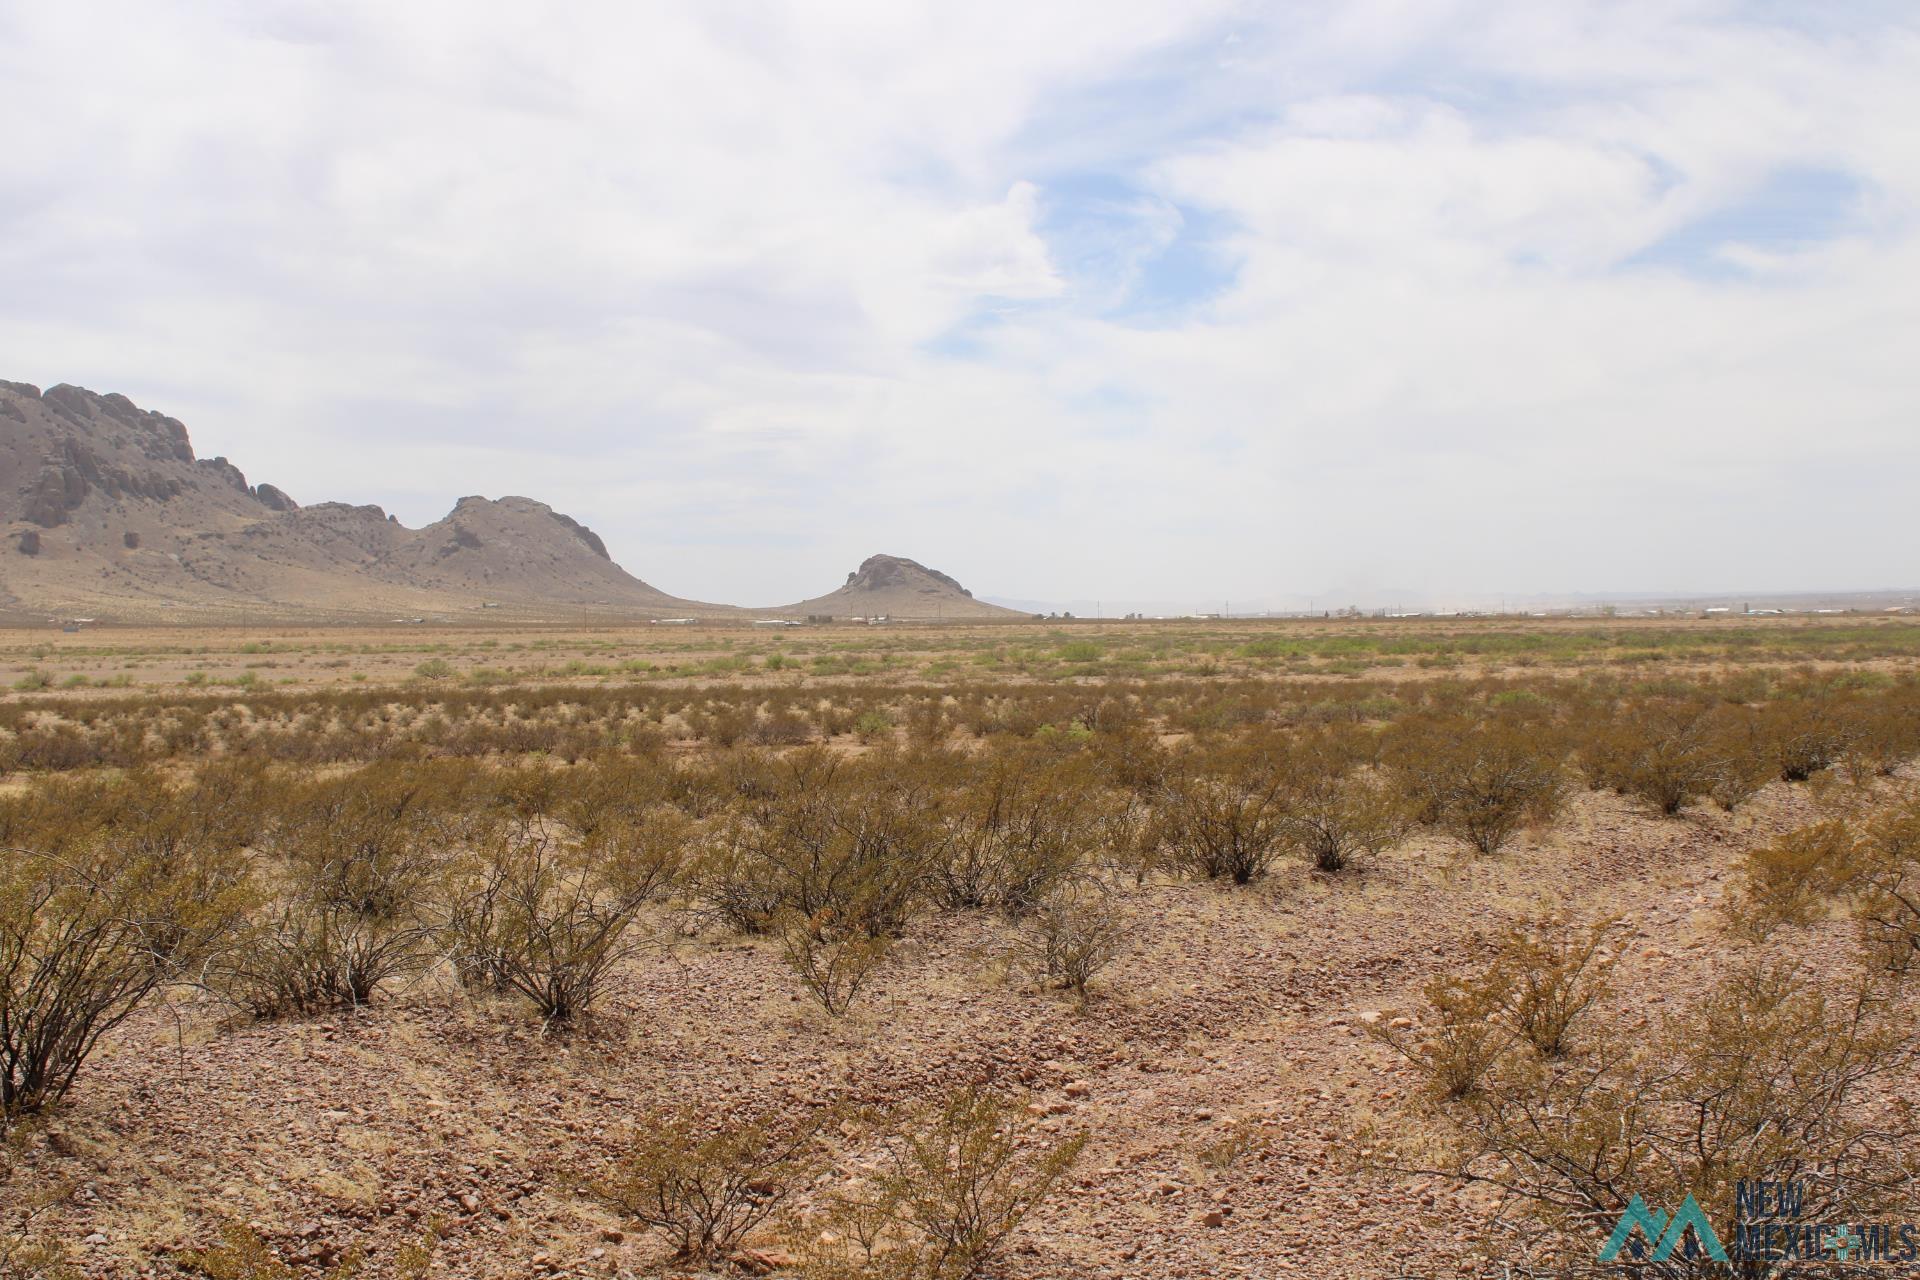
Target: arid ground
(1245, 1113)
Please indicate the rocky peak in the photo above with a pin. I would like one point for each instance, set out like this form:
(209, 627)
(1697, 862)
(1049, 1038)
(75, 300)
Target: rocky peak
(881, 573)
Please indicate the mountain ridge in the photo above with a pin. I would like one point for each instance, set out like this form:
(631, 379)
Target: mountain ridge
(106, 509)
(105, 506)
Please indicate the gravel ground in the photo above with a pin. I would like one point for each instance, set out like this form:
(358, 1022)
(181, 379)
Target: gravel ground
(1233, 1013)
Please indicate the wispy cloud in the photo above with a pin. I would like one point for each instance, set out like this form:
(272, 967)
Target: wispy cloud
(1131, 299)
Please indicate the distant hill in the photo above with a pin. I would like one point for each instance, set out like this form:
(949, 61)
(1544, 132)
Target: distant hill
(895, 587)
(105, 509)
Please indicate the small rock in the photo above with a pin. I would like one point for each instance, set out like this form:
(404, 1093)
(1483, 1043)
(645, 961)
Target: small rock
(760, 1262)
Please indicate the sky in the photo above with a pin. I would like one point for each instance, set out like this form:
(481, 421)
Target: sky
(1383, 300)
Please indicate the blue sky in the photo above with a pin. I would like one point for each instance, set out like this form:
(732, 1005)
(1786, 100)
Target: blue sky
(1124, 300)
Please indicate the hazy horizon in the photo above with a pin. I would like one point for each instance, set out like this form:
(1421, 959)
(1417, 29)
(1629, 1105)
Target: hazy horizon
(1148, 302)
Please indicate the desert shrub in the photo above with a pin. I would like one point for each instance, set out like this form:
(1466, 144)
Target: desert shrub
(782, 729)
(706, 1187)
(1130, 759)
(86, 935)
(58, 746)
(1663, 751)
(25, 1251)
(834, 963)
(375, 840)
(1744, 764)
(1885, 734)
(1480, 781)
(1337, 806)
(1767, 1076)
(1462, 1037)
(1235, 1144)
(243, 1255)
(956, 1180)
(307, 949)
(1072, 934)
(870, 726)
(849, 843)
(1546, 977)
(1867, 867)
(1015, 831)
(1808, 729)
(547, 911)
(180, 848)
(346, 904)
(1224, 816)
(729, 887)
(928, 722)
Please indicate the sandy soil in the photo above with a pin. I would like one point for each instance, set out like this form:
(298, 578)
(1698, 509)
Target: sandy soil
(1233, 1009)
(113, 661)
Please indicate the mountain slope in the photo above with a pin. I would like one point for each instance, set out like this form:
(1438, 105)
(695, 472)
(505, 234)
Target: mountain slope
(105, 509)
(895, 587)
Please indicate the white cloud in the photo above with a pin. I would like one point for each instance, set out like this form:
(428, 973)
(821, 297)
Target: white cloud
(692, 271)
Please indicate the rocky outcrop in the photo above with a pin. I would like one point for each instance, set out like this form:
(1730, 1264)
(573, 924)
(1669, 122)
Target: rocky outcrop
(92, 478)
(883, 573)
(896, 587)
(585, 535)
(273, 498)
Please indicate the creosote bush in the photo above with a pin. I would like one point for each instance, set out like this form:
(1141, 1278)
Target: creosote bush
(243, 1255)
(1769, 1075)
(833, 963)
(345, 897)
(1671, 751)
(956, 1179)
(1016, 830)
(1545, 979)
(849, 842)
(545, 904)
(1074, 933)
(1480, 780)
(86, 934)
(1868, 867)
(1338, 805)
(1223, 818)
(706, 1187)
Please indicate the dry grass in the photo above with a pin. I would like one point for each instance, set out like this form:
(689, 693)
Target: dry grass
(1218, 1063)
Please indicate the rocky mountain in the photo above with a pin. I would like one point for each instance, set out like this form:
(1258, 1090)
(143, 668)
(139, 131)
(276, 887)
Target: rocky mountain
(895, 587)
(105, 510)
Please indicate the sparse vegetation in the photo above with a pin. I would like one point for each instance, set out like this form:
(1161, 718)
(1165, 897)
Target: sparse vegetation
(1769, 1076)
(704, 840)
(706, 1187)
(956, 1180)
(90, 926)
